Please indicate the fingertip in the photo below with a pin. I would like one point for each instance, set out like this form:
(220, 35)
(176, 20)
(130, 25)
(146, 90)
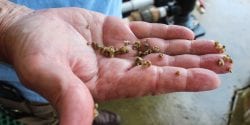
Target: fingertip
(219, 63)
(192, 35)
(76, 107)
(176, 32)
(188, 33)
(202, 80)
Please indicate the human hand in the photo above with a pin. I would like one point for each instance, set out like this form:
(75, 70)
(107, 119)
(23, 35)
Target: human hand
(50, 51)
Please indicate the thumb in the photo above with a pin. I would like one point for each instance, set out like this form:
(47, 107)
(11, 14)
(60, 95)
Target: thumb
(66, 92)
(74, 104)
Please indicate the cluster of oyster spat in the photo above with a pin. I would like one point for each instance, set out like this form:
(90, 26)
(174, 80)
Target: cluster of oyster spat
(220, 47)
(142, 49)
(110, 51)
(96, 113)
(221, 62)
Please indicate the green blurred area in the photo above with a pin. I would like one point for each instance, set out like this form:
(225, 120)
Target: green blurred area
(6, 119)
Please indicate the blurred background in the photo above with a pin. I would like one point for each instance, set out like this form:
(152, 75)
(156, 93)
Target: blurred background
(227, 21)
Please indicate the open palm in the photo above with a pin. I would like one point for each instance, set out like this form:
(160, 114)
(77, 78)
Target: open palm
(51, 53)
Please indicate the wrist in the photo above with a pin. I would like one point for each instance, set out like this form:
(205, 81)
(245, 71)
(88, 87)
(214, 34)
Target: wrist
(9, 14)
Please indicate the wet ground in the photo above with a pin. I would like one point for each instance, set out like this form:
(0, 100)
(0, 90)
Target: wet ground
(227, 21)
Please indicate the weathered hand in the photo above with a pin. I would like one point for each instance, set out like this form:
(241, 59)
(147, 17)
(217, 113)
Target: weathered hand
(50, 52)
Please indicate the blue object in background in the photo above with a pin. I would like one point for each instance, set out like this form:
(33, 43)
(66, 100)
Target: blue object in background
(107, 7)
(7, 73)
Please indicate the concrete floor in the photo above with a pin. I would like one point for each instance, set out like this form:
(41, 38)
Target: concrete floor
(227, 21)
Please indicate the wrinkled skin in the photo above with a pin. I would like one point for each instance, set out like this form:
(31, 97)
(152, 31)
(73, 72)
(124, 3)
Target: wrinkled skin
(49, 50)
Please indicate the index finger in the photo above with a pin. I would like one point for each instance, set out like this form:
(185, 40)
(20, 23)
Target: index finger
(153, 30)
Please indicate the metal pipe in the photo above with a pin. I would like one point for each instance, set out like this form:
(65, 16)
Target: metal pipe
(151, 14)
(135, 4)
